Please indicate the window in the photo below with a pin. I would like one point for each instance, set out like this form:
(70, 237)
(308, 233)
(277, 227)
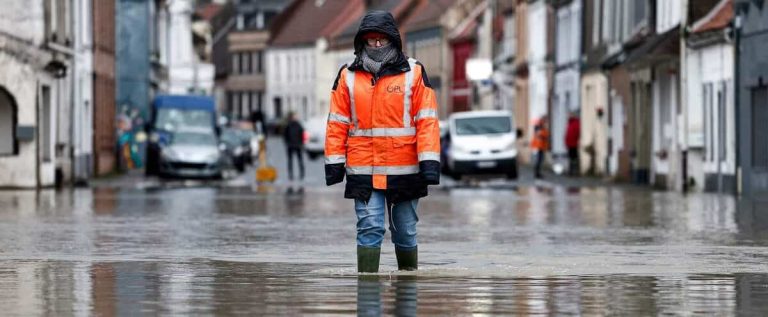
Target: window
(246, 62)
(509, 34)
(608, 21)
(235, 63)
(721, 126)
(245, 105)
(235, 105)
(708, 140)
(759, 134)
(597, 7)
(641, 7)
(85, 10)
(8, 145)
(257, 62)
(45, 125)
(278, 107)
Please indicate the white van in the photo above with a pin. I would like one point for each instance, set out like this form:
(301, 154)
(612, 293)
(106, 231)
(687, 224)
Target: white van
(481, 142)
(314, 130)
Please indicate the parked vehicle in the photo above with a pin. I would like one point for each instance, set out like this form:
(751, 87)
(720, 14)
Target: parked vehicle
(481, 142)
(191, 153)
(171, 114)
(237, 144)
(314, 140)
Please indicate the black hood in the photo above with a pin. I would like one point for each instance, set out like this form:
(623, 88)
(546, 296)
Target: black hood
(381, 22)
(378, 21)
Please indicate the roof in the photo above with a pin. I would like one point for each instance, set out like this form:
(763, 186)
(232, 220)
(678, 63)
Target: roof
(700, 9)
(427, 15)
(466, 28)
(717, 18)
(208, 11)
(184, 101)
(305, 20)
(351, 14)
(657, 47)
(398, 8)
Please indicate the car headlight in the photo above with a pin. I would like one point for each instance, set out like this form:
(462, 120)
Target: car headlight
(511, 146)
(458, 149)
(239, 151)
(213, 156)
(170, 154)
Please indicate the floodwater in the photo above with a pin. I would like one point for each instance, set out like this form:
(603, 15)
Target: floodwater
(540, 249)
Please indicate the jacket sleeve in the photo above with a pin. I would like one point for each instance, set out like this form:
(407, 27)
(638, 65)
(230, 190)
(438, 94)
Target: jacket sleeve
(427, 127)
(337, 130)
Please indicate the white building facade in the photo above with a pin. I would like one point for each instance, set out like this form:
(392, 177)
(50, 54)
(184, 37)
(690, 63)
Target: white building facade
(328, 63)
(82, 106)
(186, 74)
(537, 63)
(291, 82)
(35, 100)
(709, 105)
(568, 63)
(667, 132)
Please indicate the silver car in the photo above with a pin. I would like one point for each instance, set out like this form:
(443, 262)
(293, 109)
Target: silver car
(193, 155)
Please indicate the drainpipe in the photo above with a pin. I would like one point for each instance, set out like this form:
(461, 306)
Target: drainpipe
(38, 91)
(738, 19)
(684, 91)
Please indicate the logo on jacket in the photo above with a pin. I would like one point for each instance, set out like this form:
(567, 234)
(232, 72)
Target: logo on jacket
(394, 89)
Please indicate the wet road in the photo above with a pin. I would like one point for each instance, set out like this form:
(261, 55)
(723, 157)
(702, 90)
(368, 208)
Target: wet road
(228, 248)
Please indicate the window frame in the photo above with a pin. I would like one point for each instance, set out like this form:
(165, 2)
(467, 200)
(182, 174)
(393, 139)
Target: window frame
(14, 123)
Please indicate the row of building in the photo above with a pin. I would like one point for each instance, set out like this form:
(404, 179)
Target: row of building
(669, 93)
(663, 96)
(77, 74)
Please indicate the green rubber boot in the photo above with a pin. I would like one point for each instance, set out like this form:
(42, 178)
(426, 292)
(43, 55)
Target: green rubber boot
(368, 259)
(407, 260)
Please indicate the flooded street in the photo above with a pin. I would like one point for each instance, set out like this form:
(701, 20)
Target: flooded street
(535, 249)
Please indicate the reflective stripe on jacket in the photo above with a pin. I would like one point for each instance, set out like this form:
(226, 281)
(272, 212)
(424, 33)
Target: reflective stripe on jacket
(383, 128)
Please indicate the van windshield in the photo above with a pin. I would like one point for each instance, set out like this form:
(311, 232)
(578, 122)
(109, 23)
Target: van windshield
(483, 125)
(170, 119)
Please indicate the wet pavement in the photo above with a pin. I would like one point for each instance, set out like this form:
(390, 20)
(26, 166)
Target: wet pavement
(488, 248)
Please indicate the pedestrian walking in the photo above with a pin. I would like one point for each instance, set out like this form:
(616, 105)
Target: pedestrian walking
(257, 119)
(294, 142)
(572, 135)
(540, 145)
(383, 134)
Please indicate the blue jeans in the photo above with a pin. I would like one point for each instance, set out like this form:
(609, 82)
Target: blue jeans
(370, 222)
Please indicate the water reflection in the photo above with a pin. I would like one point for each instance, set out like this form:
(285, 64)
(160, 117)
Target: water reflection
(545, 250)
(227, 288)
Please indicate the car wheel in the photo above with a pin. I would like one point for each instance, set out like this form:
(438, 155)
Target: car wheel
(151, 168)
(240, 167)
(312, 155)
(512, 173)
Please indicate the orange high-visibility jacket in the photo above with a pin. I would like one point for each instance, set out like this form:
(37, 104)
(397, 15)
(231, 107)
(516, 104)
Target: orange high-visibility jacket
(541, 140)
(384, 131)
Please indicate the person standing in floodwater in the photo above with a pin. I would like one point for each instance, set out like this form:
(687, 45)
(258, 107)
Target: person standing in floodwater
(572, 134)
(383, 134)
(294, 142)
(540, 144)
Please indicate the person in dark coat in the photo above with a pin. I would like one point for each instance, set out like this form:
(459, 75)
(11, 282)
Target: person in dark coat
(259, 126)
(572, 135)
(294, 142)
